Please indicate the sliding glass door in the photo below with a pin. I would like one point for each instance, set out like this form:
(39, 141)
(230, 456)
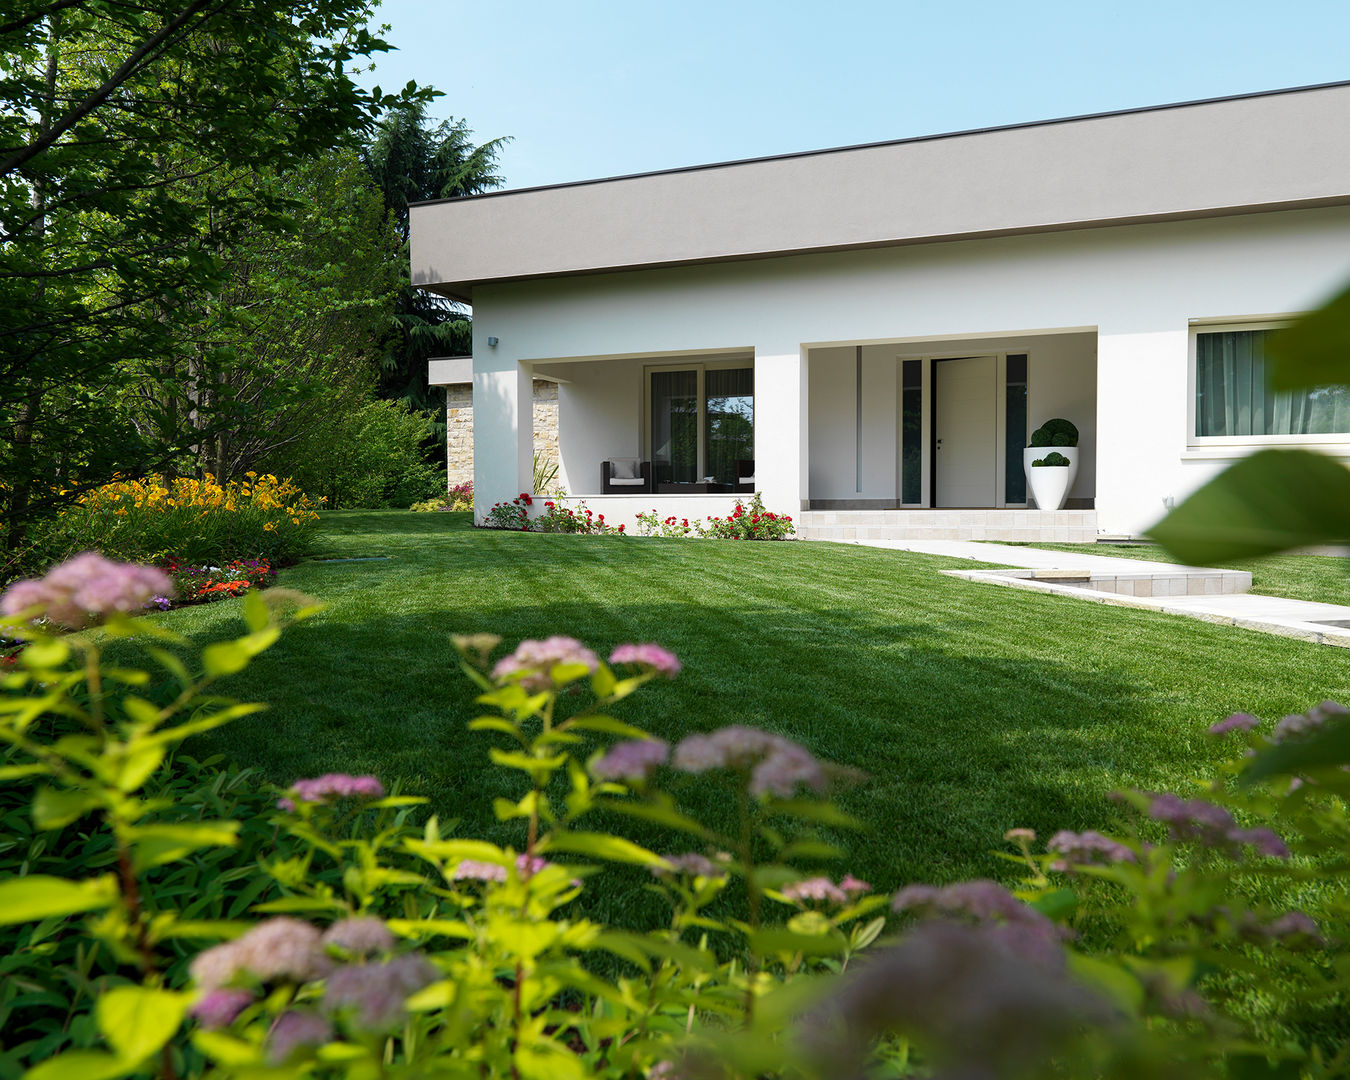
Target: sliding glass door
(702, 421)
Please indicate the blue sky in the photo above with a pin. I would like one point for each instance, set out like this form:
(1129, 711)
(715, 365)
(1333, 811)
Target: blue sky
(591, 88)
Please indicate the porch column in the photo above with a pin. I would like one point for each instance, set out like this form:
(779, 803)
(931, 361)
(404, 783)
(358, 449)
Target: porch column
(781, 427)
(503, 430)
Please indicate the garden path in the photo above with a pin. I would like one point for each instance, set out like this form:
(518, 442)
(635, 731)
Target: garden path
(1218, 596)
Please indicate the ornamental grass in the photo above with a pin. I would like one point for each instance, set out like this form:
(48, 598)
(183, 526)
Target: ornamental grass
(193, 521)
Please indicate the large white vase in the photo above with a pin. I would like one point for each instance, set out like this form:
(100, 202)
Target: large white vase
(1050, 484)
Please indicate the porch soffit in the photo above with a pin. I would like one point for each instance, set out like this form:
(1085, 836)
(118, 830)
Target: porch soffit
(1256, 153)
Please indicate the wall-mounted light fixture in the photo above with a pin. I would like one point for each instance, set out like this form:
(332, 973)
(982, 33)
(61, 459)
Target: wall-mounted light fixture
(492, 341)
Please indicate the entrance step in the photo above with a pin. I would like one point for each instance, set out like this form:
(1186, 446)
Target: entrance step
(1027, 526)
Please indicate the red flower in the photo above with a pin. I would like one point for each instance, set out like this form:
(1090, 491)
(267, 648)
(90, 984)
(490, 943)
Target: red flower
(620, 528)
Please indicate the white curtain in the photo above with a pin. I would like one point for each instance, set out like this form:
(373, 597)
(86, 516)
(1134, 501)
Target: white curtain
(1232, 396)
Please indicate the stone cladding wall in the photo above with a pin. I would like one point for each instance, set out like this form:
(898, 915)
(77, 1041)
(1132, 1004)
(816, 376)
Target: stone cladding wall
(459, 428)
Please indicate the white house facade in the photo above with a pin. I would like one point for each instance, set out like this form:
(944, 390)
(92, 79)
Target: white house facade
(868, 336)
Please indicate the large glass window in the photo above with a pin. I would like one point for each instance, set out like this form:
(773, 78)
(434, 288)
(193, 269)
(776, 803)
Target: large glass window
(911, 431)
(1233, 394)
(702, 422)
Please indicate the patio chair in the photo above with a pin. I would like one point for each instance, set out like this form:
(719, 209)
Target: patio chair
(625, 476)
(745, 474)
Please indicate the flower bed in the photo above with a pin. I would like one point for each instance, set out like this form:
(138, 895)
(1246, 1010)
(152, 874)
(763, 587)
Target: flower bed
(751, 522)
(203, 584)
(556, 518)
(459, 497)
(198, 521)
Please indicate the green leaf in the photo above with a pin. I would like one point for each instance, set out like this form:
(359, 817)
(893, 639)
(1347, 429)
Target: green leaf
(155, 845)
(608, 725)
(538, 768)
(38, 896)
(80, 1065)
(54, 808)
(1056, 905)
(780, 940)
(171, 664)
(140, 711)
(1111, 979)
(41, 654)
(142, 759)
(138, 1020)
(225, 1049)
(225, 658)
(1272, 501)
(127, 676)
(255, 611)
(601, 846)
(1315, 350)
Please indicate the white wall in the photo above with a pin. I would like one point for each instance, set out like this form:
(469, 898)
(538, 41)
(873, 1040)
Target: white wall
(1140, 286)
(599, 419)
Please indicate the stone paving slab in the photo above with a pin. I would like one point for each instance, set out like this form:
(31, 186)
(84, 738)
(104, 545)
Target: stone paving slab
(1205, 593)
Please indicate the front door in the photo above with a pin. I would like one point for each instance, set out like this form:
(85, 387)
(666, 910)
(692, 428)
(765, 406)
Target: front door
(965, 431)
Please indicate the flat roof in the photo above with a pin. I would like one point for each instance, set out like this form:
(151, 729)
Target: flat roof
(1277, 149)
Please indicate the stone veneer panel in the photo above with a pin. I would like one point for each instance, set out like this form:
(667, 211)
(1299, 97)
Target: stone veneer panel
(459, 428)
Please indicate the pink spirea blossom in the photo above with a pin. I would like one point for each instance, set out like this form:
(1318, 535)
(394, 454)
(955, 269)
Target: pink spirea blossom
(650, 655)
(218, 1008)
(632, 761)
(1213, 826)
(1299, 724)
(331, 786)
(824, 890)
(534, 660)
(476, 870)
(370, 997)
(1238, 721)
(1088, 848)
(691, 864)
(77, 592)
(359, 936)
(1293, 924)
(296, 1030)
(777, 766)
(278, 949)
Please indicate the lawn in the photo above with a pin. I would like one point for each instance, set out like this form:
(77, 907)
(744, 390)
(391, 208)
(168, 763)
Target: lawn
(973, 709)
(1323, 579)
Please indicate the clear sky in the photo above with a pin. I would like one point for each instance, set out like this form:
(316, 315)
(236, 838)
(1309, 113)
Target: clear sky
(591, 88)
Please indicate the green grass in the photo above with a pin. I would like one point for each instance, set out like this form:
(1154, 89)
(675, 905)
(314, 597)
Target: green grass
(972, 708)
(1323, 579)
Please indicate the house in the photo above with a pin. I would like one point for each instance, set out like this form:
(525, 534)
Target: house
(878, 328)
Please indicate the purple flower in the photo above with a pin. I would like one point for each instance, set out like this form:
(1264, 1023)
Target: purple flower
(1212, 826)
(533, 661)
(1293, 924)
(218, 1008)
(76, 592)
(296, 1030)
(777, 766)
(280, 948)
(650, 655)
(1086, 849)
(476, 870)
(814, 889)
(632, 761)
(1239, 721)
(1299, 724)
(329, 786)
(1028, 932)
(359, 936)
(691, 864)
(370, 996)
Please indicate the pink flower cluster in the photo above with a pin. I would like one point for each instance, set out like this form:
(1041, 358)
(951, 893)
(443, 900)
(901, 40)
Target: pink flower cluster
(690, 864)
(1212, 826)
(1088, 848)
(533, 661)
(1019, 929)
(332, 786)
(359, 936)
(632, 761)
(477, 870)
(822, 889)
(777, 766)
(76, 592)
(650, 656)
(295, 1030)
(278, 949)
(369, 997)
(1239, 721)
(1299, 724)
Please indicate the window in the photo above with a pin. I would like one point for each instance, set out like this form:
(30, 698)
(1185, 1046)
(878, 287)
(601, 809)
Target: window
(1015, 429)
(702, 421)
(1234, 400)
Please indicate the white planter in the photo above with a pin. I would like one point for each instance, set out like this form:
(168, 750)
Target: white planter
(1050, 484)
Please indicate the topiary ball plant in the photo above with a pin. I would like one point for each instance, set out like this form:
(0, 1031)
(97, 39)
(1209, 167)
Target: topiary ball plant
(1052, 459)
(1056, 432)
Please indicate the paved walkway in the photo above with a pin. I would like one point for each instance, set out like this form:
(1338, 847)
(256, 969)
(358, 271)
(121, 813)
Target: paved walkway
(1218, 596)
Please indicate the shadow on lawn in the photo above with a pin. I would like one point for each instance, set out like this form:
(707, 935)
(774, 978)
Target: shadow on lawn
(958, 748)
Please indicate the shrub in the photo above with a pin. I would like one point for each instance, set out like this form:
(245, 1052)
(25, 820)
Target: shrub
(556, 518)
(459, 497)
(1051, 459)
(353, 944)
(1056, 432)
(194, 521)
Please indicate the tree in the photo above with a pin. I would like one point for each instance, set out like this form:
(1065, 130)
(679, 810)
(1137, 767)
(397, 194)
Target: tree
(412, 160)
(116, 117)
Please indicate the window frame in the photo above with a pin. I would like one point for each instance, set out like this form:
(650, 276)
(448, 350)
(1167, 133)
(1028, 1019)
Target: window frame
(1195, 442)
(700, 369)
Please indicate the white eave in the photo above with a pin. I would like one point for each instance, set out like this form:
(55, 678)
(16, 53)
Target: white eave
(1280, 150)
(449, 370)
